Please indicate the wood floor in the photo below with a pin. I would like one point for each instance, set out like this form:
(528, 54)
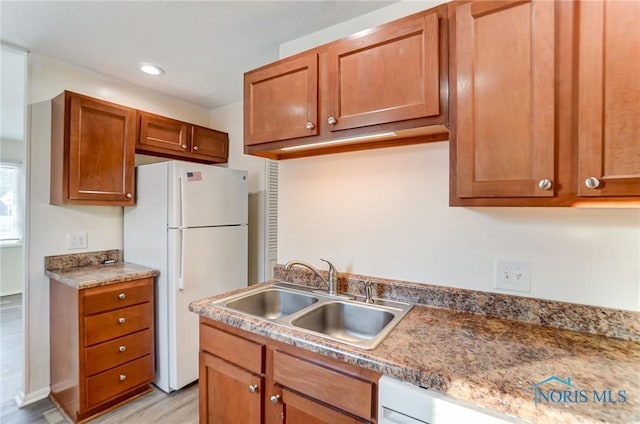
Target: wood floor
(157, 407)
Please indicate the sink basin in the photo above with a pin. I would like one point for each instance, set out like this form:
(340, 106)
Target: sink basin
(341, 318)
(272, 303)
(346, 322)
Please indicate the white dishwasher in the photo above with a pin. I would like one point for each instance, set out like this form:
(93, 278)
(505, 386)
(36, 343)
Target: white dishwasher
(403, 403)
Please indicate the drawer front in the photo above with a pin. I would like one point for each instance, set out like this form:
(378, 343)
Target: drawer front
(116, 381)
(239, 351)
(107, 298)
(109, 325)
(107, 355)
(327, 385)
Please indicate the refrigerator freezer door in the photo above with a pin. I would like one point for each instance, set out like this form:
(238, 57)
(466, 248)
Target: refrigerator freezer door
(205, 195)
(203, 262)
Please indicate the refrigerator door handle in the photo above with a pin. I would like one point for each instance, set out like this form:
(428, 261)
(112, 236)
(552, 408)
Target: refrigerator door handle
(181, 203)
(182, 249)
(182, 236)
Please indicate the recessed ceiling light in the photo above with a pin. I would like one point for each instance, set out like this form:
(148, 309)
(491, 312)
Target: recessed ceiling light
(151, 69)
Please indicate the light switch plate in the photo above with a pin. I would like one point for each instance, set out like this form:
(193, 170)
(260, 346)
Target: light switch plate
(513, 276)
(77, 241)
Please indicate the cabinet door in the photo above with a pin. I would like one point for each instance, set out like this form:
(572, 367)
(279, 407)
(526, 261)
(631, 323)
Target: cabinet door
(101, 151)
(160, 134)
(609, 99)
(228, 394)
(389, 75)
(503, 95)
(210, 144)
(281, 100)
(300, 410)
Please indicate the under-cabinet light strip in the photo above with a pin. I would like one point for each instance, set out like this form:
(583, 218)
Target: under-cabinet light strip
(341, 141)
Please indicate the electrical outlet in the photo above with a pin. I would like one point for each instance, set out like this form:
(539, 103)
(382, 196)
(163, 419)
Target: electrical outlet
(77, 241)
(513, 276)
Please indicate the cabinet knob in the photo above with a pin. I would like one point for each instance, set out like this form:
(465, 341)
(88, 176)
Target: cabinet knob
(310, 125)
(274, 399)
(253, 388)
(122, 348)
(332, 120)
(123, 377)
(592, 182)
(184, 146)
(545, 184)
(122, 296)
(122, 320)
(195, 148)
(129, 195)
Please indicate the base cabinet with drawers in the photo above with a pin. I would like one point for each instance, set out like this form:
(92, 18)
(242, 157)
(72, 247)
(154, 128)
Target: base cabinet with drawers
(102, 346)
(250, 379)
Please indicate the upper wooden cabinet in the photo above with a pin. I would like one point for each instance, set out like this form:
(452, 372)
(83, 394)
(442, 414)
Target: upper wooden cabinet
(171, 138)
(545, 103)
(389, 75)
(281, 100)
(505, 70)
(93, 146)
(609, 99)
(92, 152)
(386, 86)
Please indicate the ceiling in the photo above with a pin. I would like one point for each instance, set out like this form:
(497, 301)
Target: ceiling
(203, 46)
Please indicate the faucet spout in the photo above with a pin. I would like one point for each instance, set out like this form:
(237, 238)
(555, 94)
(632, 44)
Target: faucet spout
(332, 283)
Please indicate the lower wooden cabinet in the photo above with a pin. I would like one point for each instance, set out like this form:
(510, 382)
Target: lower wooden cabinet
(102, 346)
(245, 378)
(300, 410)
(228, 394)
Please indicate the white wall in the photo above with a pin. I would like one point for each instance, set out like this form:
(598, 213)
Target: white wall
(13, 97)
(385, 213)
(48, 225)
(10, 270)
(230, 119)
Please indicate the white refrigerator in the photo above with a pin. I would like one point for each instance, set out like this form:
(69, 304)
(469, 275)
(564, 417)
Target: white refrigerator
(190, 223)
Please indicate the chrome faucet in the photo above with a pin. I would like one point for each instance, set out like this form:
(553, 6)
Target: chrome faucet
(332, 284)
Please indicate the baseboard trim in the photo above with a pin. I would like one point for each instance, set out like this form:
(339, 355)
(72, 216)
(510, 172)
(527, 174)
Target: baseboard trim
(23, 399)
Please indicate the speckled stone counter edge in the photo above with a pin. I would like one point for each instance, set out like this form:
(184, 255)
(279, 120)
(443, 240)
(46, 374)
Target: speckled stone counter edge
(569, 316)
(86, 270)
(80, 259)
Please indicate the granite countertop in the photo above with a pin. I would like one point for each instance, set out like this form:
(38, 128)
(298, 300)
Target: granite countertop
(489, 361)
(86, 270)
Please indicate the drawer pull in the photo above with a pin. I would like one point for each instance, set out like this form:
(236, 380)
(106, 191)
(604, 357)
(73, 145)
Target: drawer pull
(123, 377)
(122, 296)
(122, 320)
(122, 348)
(274, 399)
(253, 388)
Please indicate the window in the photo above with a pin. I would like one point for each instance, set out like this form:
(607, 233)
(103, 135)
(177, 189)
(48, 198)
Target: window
(10, 203)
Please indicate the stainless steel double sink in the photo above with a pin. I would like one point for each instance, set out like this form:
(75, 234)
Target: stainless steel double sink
(342, 318)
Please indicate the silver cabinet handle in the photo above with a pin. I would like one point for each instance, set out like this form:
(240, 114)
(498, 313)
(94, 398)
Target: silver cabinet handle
(332, 120)
(253, 388)
(122, 348)
(122, 320)
(129, 195)
(592, 182)
(122, 296)
(184, 146)
(545, 184)
(195, 148)
(274, 399)
(123, 377)
(310, 125)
